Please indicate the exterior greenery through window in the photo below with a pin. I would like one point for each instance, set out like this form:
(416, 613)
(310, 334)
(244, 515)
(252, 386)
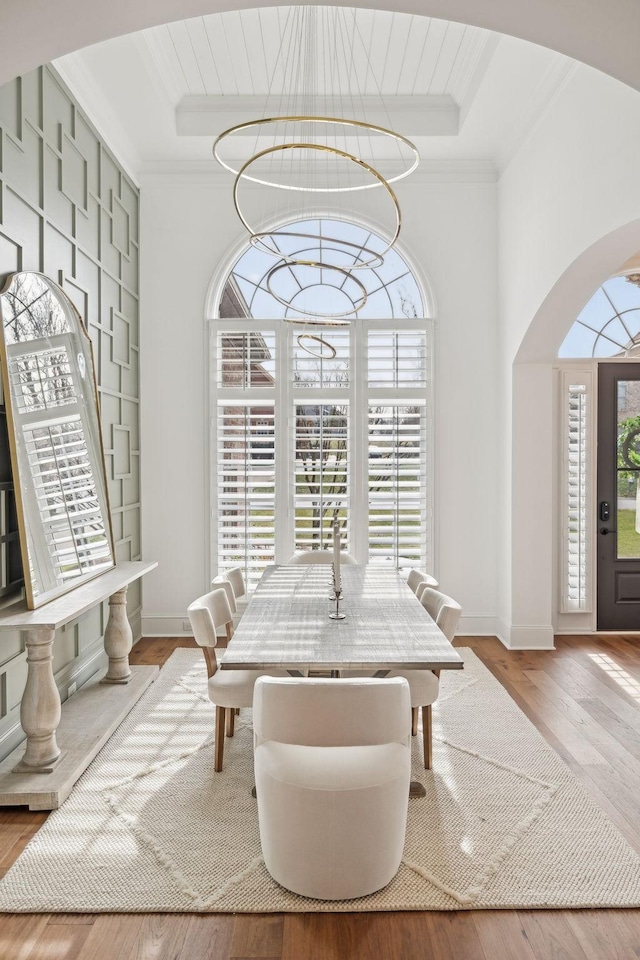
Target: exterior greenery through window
(318, 422)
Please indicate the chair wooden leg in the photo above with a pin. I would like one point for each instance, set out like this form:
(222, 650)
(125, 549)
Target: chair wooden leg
(414, 721)
(426, 733)
(231, 716)
(219, 747)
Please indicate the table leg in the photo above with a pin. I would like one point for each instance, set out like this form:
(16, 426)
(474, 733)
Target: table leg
(40, 709)
(118, 639)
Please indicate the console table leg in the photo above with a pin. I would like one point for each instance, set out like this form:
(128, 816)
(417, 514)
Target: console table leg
(118, 639)
(40, 709)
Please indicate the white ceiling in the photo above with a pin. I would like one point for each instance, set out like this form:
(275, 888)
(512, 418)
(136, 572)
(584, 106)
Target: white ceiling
(162, 95)
(250, 51)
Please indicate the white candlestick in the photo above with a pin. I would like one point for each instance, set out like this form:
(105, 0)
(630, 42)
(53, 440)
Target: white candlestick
(336, 556)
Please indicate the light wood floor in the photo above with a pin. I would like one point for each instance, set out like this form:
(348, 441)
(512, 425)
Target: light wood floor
(584, 698)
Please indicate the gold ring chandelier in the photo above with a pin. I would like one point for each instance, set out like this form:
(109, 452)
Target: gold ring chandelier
(302, 121)
(324, 350)
(303, 165)
(259, 238)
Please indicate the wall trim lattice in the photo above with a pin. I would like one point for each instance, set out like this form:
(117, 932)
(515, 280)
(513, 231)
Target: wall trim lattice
(69, 210)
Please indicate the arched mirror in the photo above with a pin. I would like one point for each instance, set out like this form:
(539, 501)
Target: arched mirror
(55, 439)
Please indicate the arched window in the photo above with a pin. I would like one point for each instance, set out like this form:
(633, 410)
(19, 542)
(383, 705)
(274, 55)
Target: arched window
(609, 325)
(321, 384)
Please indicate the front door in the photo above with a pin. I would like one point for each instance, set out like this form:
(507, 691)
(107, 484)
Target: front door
(618, 496)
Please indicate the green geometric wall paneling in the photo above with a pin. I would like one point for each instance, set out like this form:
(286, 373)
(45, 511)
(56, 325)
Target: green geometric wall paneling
(68, 210)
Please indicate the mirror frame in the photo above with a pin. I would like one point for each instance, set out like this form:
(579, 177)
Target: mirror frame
(35, 599)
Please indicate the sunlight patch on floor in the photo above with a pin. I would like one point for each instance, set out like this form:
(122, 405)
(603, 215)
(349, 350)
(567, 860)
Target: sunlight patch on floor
(629, 684)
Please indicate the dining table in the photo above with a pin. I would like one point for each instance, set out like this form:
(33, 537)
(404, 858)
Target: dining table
(381, 626)
(288, 624)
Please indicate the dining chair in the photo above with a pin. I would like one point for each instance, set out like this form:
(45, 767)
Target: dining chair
(235, 576)
(424, 685)
(418, 580)
(332, 763)
(221, 583)
(227, 689)
(319, 556)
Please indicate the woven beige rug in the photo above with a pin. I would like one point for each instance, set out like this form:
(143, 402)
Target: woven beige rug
(150, 827)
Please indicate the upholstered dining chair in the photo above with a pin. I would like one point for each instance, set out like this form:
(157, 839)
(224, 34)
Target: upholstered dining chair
(221, 583)
(319, 556)
(418, 580)
(332, 765)
(424, 685)
(235, 576)
(228, 689)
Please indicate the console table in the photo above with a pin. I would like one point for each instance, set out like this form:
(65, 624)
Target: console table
(41, 774)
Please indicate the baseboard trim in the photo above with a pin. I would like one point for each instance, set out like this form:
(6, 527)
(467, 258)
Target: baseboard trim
(478, 626)
(529, 638)
(165, 627)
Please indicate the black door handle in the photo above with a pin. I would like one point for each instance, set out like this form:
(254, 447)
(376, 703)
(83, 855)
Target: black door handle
(604, 531)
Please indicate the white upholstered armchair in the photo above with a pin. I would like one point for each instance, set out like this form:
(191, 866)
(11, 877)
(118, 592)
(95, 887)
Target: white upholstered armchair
(332, 768)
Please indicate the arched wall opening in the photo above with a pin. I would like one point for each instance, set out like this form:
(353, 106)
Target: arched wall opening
(39, 32)
(573, 289)
(536, 452)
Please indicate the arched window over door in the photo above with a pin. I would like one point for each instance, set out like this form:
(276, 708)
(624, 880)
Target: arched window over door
(321, 388)
(609, 324)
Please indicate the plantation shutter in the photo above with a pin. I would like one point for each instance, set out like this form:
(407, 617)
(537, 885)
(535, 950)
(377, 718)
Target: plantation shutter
(51, 429)
(321, 473)
(576, 408)
(246, 487)
(398, 366)
(397, 484)
(317, 424)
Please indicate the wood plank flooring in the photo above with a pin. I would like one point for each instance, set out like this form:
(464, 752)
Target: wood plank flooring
(584, 697)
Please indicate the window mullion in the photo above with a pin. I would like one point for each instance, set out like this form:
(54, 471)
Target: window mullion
(359, 480)
(284, 418)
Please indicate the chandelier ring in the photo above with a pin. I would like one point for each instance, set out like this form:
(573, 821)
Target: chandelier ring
(355, 306)
(257, 240)
(324, 149)
(368, 128)
(319, 355)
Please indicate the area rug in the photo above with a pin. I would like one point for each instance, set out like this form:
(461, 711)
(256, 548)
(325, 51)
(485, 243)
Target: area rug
(150, 827)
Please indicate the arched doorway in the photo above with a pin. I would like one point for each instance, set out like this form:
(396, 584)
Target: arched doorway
(551, 559)
(602, 452)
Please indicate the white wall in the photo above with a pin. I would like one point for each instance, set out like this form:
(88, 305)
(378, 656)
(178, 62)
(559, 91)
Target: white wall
(567, 206)
(573, 183)
(188, 227)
